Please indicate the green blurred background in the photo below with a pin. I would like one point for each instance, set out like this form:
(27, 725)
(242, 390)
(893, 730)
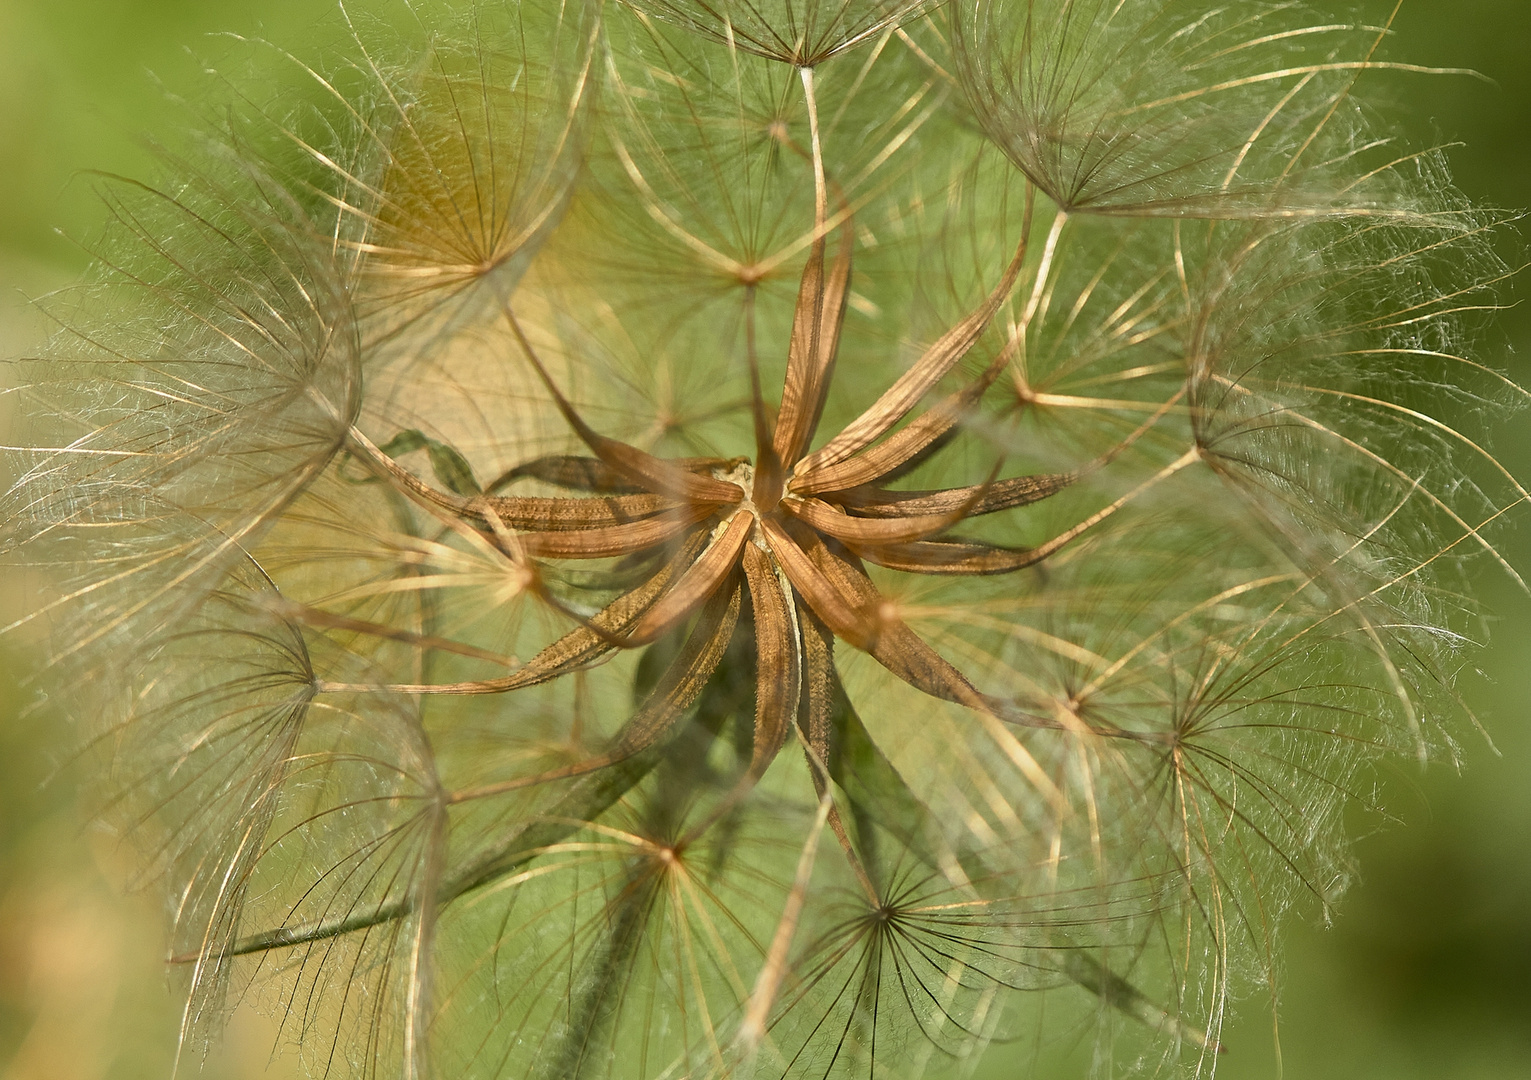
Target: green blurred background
(1426, 972)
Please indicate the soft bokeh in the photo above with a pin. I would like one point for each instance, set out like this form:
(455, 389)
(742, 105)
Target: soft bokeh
(1422, 975)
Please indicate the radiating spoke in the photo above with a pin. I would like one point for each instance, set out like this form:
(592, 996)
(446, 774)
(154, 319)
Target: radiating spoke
(578, 473)
(579, 648)
(953, 557)
(698, 583)
(777, 667)
(777, 674)
(843, 596)
(821, 595)
(977, 498)
(862, 531)
(896, 402)
(654, 474)
(921, 436)
(817, 704)
(568, 515)
(676, 690)
(552, 514)
(609, 541)
(816, 326)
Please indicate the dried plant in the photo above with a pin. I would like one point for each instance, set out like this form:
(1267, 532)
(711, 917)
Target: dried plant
(677, 539)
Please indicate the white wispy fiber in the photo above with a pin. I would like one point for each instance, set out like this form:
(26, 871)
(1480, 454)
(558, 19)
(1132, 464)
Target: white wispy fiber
(676, 539)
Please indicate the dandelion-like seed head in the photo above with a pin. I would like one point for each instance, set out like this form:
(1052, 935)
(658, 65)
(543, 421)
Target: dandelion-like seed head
(665, 539)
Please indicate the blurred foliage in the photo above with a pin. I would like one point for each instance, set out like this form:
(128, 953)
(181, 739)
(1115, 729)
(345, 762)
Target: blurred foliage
(1423, 973)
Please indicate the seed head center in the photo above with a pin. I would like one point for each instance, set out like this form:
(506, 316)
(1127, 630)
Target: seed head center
(741, 472)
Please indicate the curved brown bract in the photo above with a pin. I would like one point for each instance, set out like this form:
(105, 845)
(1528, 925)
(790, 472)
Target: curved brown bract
(719, 539)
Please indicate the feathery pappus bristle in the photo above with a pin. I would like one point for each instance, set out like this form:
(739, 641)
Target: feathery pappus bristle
(666, 539)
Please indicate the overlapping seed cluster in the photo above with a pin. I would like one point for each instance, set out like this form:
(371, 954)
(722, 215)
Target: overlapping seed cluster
(792, 539)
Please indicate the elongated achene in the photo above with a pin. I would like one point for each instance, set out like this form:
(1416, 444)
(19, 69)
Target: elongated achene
(664, 539)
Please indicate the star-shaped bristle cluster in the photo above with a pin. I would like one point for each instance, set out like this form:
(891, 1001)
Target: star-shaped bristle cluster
(460, 488)
(784, 535)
